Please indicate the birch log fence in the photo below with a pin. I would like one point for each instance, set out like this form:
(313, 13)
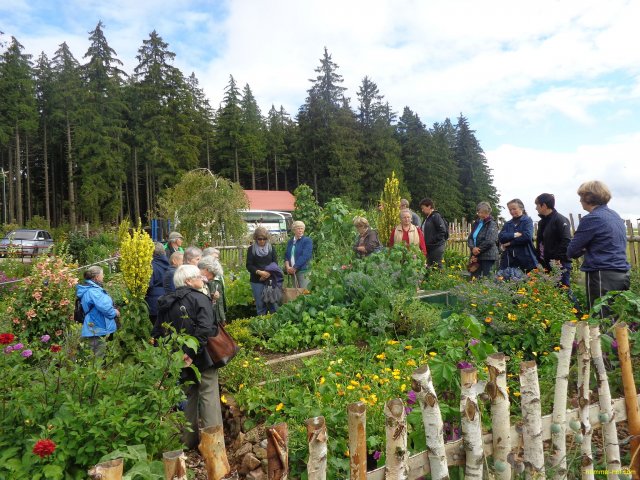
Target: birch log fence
(504, 452)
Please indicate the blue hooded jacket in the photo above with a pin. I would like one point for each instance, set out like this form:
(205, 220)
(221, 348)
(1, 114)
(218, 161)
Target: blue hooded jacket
(100, 317)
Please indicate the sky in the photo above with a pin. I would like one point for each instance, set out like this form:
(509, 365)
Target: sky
(551, 87)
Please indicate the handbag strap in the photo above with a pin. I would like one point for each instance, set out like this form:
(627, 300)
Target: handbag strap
(293, 281)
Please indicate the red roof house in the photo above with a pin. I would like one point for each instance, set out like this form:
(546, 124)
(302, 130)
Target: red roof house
(271, 200)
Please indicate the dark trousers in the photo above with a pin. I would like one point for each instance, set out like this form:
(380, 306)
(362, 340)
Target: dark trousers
(599, 282)
(485, 268)
(435, 253)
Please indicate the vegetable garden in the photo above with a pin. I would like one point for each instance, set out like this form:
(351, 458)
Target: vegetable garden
(63, 411)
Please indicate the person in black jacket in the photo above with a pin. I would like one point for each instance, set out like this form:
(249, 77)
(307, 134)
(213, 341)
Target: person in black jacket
(553, 237)
(482, 240)
(434, 229)
(189, 310)
(259, 255)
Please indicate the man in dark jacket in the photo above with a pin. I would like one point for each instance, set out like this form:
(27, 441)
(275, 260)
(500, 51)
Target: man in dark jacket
(553, 237)
(434, 229)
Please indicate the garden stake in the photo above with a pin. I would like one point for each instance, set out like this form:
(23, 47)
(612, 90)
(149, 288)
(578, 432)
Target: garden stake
(531, 420)
(422, 384)
(317, 439)
(607, 420)
(630, 397)
(396, 467)
(175, 467)
(584, 370)
(559, 416)
(357, 414)
(212, 449)
(500, 422)
(111, 470)
(470, 423)
(278, 452)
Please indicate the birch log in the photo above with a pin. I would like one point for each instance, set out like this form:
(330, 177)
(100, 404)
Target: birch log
(278, 452)
(531, 420)
(422, 384)
(500, 423)
(357, 413)
(397, 455)
(584, 370)
(111, 470)
(558, 427)
(317, 439)
(175, 465)
(213, 451)
(609, 430)
(471, 425)
(630, 396)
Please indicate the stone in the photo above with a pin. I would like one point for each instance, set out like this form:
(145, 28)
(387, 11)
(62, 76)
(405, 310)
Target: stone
(249, 463)
(256, 474)
(243, 450)
(238, 442)
(255, 434)
(260, 452)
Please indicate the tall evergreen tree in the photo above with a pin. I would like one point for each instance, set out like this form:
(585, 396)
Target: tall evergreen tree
(278, 132)
(228, 132)
(44, 93)
(252, 134)
(414, 141)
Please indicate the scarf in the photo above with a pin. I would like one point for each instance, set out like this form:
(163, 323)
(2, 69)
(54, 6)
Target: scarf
(263, 251)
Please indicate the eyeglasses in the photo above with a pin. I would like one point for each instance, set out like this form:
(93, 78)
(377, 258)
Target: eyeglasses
(261, 238)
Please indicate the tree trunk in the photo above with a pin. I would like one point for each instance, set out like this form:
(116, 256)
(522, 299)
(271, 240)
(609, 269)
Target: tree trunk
(357, 413)
(111, 470)
(18, 159)
(422, 384)
(235, 152)
(27, 176)
(470, 424)
(278, 452)
(558, 425)
(175, 465)
(317, 439)
(584, 371)
(208, 155)
(253, 174)
(275, 169)
(71, 188)
(12, 194)
(45, 145)
(396, 440)
(500, 422)
(135, 183)
(532, 420)
(213, 451)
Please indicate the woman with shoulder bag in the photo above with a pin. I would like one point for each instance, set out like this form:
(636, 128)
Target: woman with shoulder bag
(482, 242)
(516, 239)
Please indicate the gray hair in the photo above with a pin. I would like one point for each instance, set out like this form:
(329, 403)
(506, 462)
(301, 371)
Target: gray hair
(184, 273)
(361, 222)
(404, 211)
(93, 272)
(176, 258)
(190, 253)
(210, 252)
(158, 249)
(211, 265)
(483, 207)
(297, 223)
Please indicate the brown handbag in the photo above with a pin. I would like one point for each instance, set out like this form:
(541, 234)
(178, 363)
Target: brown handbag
(222, 348)
(289, 294)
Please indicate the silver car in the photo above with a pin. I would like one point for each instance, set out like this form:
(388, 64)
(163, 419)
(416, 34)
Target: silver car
(26, 243)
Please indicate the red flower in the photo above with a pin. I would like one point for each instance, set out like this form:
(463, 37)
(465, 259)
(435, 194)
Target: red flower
(55, 348)
(6, 338)
(44, 448)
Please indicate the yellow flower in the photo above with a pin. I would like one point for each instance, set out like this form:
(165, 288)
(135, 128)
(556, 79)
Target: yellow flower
(354, 383)
(516, 394)
(403, 387)
(321, 380)
(245, 364)
(366, 388)
(585, 317)
(556, 348)
(488, 320)
(432, 354)
(358, 376)
(411, 362)
(279, 407)
(381, 356)
(574, 310)
(408, 347)
(392, 342)
(350, 387)
(241, 386)
(326, 335)
(512, 317)
(223, 399)
(473, 305)
(346, 453)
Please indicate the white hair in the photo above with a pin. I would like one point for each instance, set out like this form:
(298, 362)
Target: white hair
(184, 273)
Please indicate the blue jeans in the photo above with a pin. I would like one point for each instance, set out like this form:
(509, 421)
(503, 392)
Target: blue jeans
(261, 307)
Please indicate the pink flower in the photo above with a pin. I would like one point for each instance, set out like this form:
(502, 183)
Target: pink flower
(64, 302)
(8, 349)
(18, 346)
(473, 341)
(45, 338)
(26, 353)
(31, 313)
(37, 295)
(411, 397)
(377, 454)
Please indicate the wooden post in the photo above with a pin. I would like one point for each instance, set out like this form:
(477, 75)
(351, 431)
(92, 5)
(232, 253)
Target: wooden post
(175, 466)
(500, 422)
(531, 420)
(630, 396)
(111, 470)
(558, 425)
(583, 436)
(317, 439)
(357, 413)
(470, 424)
(396, 440)
(213, 451)
(278, 452)
(422, 384)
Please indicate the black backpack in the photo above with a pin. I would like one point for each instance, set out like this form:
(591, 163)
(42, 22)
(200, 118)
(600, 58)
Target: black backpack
(78, 311)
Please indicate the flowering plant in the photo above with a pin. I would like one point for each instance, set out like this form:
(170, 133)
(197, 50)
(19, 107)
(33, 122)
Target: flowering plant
(44, 448)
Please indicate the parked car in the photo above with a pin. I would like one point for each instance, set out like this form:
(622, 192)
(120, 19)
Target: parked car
(26, 243)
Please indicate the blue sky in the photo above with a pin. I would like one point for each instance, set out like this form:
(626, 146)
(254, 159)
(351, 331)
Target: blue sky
(552, 87)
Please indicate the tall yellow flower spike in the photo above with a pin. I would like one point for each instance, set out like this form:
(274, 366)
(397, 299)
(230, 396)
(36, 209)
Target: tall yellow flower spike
(136, 253)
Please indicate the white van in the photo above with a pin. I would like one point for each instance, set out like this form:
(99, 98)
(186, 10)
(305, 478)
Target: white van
(277, 223)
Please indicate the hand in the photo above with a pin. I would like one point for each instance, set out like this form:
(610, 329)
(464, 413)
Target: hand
(117, 312)
(362, 249)
(291, 270)
(216, 295)
(187, 360)
(475, 251)
(517, 234)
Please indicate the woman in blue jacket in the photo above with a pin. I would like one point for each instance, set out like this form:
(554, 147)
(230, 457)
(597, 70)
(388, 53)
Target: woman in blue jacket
(298, 255)
(516, 239)
(100, 313)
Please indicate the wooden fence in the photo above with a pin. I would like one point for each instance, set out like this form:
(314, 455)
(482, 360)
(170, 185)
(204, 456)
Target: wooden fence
(514, 449)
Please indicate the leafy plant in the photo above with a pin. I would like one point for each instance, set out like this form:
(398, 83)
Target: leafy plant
(390, 208)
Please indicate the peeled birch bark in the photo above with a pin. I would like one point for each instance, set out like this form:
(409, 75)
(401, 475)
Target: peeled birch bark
(584, 370)
(397, 455)
(531, 420)
(357, 414)
(471, 425)
(609, 430)
(175, 465)
(630, 396)
(559, 416)
(111, 470)
(278, 452)
(213, 451)
(422, 384)
(317, 439)
(500, 422)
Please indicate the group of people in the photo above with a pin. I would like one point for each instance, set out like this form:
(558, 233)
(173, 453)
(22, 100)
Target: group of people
(600, 237)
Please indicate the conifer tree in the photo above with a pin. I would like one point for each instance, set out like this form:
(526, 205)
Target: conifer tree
(228, 132)
(252, 134)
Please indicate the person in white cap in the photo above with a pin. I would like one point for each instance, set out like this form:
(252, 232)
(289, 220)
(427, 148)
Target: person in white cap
(174, 244)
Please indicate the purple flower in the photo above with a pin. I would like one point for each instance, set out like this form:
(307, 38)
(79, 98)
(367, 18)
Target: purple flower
(462, 365)
(473, 341)
(411, 397)
(614, 344)
(408, 410)
(8, 349)
(18, 346)
(377, 454)
(26, 353)
(45, 338)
